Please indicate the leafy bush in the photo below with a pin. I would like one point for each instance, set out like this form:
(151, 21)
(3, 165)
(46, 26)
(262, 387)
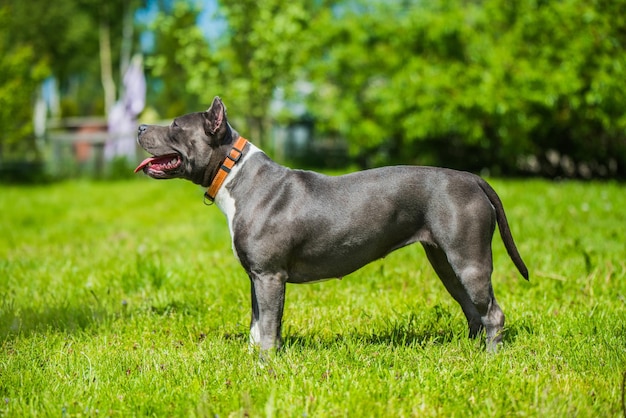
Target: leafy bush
(510, 86)
(21, 71)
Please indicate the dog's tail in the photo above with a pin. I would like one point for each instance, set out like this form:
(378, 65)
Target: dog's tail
(503, 226)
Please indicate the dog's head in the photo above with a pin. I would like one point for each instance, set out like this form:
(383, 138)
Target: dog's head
(191, 147)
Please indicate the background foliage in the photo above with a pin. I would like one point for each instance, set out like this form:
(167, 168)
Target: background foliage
(512, 87)
(21, 71)
(476, 84)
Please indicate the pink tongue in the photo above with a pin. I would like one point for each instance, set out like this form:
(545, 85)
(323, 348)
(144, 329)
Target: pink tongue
(146, 162)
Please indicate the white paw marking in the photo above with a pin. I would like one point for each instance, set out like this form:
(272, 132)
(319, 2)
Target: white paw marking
(255, 334)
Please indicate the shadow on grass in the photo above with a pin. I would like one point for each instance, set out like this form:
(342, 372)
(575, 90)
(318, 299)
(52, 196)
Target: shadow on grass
(68, 318)
(436, 326)
(520, 329)
(416, 339)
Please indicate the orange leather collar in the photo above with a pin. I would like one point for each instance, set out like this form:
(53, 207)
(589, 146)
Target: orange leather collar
(231, 159)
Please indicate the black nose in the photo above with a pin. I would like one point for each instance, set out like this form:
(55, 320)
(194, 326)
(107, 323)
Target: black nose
(142, 129)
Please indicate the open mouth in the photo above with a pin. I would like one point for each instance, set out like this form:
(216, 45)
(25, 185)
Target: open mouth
(160, 165)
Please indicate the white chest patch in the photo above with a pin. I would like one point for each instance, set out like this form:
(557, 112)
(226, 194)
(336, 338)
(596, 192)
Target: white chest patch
(226, 202)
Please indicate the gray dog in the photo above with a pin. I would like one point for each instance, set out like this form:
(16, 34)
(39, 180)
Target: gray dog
(292, 226)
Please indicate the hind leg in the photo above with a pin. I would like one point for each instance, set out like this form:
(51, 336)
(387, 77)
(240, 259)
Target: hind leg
(469, 283)
(448, 277)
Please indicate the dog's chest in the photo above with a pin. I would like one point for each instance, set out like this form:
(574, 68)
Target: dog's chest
(227, 202)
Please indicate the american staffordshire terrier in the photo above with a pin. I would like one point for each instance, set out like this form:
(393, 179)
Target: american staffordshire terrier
(294, 226)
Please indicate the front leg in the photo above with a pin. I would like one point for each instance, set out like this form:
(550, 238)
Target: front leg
(268, 301)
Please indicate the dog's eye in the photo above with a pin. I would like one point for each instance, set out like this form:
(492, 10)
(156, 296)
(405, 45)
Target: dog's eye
(174, 124)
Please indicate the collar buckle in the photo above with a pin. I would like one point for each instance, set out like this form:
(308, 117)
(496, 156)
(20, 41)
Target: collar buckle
(235, 159)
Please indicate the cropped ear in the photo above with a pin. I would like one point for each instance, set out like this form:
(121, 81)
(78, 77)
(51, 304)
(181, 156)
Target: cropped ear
(215, 119)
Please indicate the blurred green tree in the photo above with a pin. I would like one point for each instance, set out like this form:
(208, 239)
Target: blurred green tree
(474, 84)
(41, 39)
(73, 36)
(251, 58)
(180, 50)
(21, 71)
(494, 84)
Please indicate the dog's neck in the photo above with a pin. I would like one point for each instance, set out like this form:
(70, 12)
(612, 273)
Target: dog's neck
(218, 156)
(234, 155)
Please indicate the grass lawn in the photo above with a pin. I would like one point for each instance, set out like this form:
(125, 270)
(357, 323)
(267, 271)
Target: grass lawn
(124, 299)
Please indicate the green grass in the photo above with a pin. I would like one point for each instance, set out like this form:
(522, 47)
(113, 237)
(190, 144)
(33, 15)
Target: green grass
(124, 299)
